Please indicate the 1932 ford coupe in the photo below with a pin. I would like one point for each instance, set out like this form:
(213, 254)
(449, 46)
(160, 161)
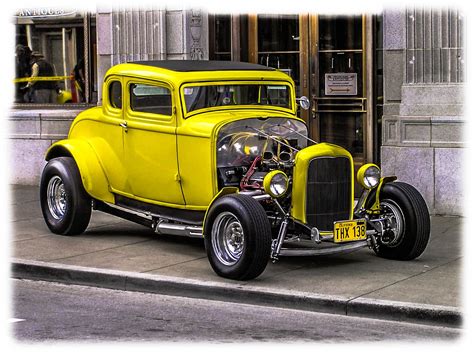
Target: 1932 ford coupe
(214, 149)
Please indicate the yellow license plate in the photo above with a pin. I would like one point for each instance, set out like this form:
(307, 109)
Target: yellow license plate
(345, 231)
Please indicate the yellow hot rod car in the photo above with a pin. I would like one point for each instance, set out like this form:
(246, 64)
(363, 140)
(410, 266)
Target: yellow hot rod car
(215, 149)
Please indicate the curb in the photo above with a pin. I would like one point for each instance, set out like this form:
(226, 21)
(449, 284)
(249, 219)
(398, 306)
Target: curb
(230, 292)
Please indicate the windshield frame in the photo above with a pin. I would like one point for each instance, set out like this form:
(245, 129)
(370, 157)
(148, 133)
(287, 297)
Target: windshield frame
(186, 114)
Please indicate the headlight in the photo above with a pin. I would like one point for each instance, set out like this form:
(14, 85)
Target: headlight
(275, 183)
(369, 176)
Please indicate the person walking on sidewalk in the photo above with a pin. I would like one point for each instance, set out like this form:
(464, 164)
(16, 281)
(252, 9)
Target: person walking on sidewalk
(23, 69)
(41, 91)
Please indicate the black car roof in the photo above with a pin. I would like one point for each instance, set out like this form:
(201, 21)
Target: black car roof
(202, 65)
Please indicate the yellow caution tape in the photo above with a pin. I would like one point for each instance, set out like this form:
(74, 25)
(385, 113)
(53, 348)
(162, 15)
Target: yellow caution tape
(43, 78)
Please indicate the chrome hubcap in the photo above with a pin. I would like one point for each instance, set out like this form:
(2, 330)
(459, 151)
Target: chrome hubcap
(56, 197)
(394, 221)
(227, 238)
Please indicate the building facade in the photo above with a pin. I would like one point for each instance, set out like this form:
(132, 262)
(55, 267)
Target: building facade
(387, 87)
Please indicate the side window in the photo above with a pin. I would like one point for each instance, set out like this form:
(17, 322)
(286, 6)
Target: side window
(150, 99)
(115, 94)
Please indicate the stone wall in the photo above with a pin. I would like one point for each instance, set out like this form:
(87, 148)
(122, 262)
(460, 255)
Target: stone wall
(31, 134)
(422, 125)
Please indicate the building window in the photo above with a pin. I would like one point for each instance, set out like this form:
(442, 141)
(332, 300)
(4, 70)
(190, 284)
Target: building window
(55, 52)
(340, 49)
(228, 37)
(221, 43)
(279, 42)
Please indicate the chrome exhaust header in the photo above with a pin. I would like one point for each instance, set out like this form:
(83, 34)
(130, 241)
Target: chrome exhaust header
(166, 228)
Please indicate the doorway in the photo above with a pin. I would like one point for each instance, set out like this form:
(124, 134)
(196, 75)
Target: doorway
(341, 113)
(331, 60)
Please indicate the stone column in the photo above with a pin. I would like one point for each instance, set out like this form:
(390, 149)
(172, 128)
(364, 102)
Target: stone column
(187, 34)
(104, 46)
(422, 141)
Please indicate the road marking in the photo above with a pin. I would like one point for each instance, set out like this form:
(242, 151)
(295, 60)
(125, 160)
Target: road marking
(13, 320)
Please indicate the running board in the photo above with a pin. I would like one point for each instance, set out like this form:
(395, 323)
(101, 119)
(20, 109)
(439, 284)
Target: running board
(127, 215)
(161, 226)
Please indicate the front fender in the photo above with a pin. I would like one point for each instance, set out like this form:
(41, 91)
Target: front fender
(370, 199)
(92, 174)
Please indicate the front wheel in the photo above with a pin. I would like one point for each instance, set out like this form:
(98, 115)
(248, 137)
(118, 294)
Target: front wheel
(407, 222)
(238, 237)
(65, 204)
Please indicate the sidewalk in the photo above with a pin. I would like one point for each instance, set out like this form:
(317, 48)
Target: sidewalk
(120, 254)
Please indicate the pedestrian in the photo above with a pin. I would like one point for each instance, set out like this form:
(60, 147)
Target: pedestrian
(23, 69)
(79, 76)
(41, 91)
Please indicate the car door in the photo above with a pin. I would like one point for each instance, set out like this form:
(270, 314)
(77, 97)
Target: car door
(150, 154)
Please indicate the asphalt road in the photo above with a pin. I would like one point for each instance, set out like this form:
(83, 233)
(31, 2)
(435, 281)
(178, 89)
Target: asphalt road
(45, 311)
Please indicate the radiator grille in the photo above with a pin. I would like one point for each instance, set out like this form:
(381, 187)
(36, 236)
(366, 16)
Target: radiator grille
(328, 192)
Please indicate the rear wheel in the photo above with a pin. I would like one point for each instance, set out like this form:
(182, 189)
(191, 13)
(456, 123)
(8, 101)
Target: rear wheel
(238, 237)
(408, 222)
(65, 204)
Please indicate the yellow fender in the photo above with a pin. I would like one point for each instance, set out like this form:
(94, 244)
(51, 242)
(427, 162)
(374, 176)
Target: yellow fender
(93, 177)
(375, 209)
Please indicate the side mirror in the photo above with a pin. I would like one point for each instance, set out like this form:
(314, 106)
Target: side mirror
(304, 102)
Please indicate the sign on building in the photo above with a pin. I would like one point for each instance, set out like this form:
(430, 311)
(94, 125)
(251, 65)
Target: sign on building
(44, 13)
(341, 84)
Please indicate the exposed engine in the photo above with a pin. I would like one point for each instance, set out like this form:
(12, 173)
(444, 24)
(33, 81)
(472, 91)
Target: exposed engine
(248, 150)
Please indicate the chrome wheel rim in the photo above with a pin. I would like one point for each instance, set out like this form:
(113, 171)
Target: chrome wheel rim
(395, 220)
(56, 197)
(227, 238)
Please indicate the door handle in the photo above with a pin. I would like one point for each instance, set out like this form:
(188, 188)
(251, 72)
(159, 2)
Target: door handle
(124, 125)
(314, 107)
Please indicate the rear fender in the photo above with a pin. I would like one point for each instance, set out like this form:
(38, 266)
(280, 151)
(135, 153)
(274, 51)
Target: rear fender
(92, 174)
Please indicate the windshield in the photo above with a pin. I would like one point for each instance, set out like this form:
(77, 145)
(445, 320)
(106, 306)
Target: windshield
(199, 97)
(238, 143)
